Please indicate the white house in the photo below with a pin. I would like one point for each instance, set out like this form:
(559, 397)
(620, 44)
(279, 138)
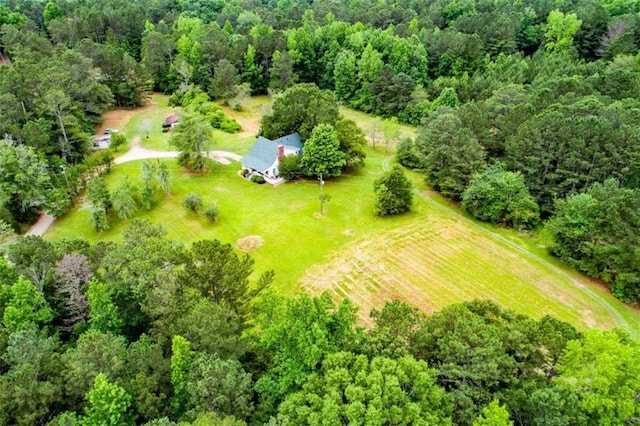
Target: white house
(265, 155)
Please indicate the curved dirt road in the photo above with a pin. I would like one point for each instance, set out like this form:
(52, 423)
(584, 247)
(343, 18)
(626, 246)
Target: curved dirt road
(136, 152)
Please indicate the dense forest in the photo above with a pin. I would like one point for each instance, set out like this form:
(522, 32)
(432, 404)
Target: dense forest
(528, 114)
(149, 331)
(525, 109)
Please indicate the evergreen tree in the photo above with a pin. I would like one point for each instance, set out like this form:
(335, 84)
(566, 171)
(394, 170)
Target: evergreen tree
(394, 193)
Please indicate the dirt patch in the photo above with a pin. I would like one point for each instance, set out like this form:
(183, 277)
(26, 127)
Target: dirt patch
(348, 233)
(118, 118)
(250, 243)
(250, 122)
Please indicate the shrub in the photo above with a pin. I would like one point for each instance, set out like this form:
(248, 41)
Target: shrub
(211, 212)
(501, 197)
(230, 125)
(117, 140)
(407, 154)
(258, 179)
(192, 202)
(291, 167)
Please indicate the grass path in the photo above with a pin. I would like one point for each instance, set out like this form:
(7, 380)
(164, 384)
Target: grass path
(589, 290)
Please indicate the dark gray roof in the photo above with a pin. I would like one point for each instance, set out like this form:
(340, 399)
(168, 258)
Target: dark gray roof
(264, 152)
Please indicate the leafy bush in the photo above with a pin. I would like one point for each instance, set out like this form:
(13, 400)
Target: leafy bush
(258, 179)
(501, 197)
(291, 167)
(211, 212)
(229, 125)
(407, 154)
(192, 202)
(117, 140)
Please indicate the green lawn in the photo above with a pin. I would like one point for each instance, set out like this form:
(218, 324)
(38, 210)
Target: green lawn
(148, 122)
(434, 256)
(281, 215)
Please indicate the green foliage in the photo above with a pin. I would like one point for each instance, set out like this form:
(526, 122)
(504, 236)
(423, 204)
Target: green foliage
(598, 233)
(7, 236)
(98, 195)
(483, 364)
(29, 385)
(93, 354)
(117, 140)
(99, 219)
(352, 142)
(26, 307)
(108, 404)
(345, 75)
(300, 109)
(219, 385)
(181, 361)
(321, 155)
(192, 138)
(219, 274)
(123, 199)
(103, 314)
(253, 72)
(164, 178)
(290, 167)
(500, 197)
(192, 202)
(603, 370)
(451, 153)
(212, 212)
(281, 71)
(350, 389)
(493, 414)
(259, 179)
(24, 181)
(561, 28)
(296, 335)
(393, 328)
(407, 154)
(447, 98)
(225, 80)
(394, 193)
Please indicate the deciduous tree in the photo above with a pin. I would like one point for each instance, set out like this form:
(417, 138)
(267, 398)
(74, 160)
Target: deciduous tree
(321, 155)
(350, 389)
(300, 109)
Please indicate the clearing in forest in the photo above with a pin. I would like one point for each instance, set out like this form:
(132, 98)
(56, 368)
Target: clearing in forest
(447, 258)
(431, 257)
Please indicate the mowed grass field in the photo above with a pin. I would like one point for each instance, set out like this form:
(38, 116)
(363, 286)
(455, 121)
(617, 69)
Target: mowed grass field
(434, 256)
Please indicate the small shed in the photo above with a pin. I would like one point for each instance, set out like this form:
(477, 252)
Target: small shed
(171, 121)
(101, 141)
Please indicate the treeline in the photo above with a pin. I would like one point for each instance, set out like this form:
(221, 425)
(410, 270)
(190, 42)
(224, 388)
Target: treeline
(150, 331)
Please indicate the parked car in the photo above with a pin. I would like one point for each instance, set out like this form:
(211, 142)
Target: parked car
(110, 130)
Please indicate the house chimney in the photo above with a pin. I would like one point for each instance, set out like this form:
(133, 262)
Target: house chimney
(280, 153)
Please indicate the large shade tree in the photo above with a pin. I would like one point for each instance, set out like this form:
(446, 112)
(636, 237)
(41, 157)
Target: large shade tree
(321, 155)
(300, 109)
